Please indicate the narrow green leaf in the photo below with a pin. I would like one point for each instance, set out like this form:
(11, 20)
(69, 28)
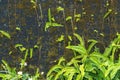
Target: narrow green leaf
(79, 76)
(80, 39)
(36, 46)
(22, 49)
(99, 55)
(108, 71)
(61, 60)
(108, 13)
(80, 49)
(71, 75)
(49, 24)
(6, 34)
(18, 45)
(114, 71)
(22, 63)
(102, 34)
(77, 19)
(36, 74)
(69, 37)
(6, 66)
(97, 63)
(88, 76)
(89, 66)
(31, 52)
(108, 50)
(53, 69)
(74, 62)
(26, 55)
(49, 15)
(53, 19)
(18, 28)
(60, 9)
(61, 38)
(66, 71)
(82, 71)
(51, 77)
(93, 42)
(56, 25)
(113, 53)
(58, 74)
(68, 18)
(10, 52)
(77, 15)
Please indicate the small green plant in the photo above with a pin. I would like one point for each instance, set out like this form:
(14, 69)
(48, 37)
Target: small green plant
(10, 73)
(51, 22)
(13, 73)
(88, 63)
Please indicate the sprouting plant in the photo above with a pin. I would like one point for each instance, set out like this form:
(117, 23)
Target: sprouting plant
(10, 73)
(28, 52)
(22, 49)
(51, 23)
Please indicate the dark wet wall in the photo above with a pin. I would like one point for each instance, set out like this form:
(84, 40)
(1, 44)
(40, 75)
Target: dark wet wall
(95, 21)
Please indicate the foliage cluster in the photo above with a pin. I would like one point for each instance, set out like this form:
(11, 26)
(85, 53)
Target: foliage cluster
(88, 63)
(18, 73)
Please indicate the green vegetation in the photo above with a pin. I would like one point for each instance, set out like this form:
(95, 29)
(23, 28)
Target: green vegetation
(15, 73)
(88, 63)
(12, 74)
(50, 23)
(18, 73)
(54, 34)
